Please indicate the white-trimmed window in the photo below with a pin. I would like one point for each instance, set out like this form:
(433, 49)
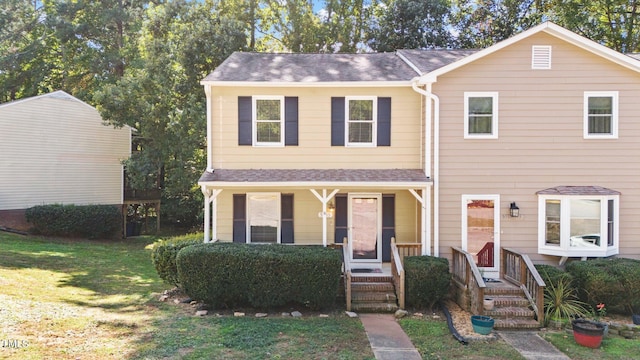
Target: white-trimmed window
(578, 225)
(263, 217)
(268, 120)
(481, 115)
(601, 115)
(361, 114)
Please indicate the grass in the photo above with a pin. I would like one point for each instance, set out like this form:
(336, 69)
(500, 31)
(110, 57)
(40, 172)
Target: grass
(434, 341)
(612, 348)
(68, 299)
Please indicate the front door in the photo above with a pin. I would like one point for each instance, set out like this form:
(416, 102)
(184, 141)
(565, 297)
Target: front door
(365, 230)
(481, 232)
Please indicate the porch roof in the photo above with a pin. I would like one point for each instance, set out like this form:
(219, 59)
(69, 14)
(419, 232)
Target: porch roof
(409, 178)
(578, 190)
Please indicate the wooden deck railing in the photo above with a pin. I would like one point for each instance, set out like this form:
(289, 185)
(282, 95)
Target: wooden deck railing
(467, 277)
(398, 253)
(346, 270)
(518, 269)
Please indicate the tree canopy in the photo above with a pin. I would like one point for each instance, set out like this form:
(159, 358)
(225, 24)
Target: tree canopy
(140, 62)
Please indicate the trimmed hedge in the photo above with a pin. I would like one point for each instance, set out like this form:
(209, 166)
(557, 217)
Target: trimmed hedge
(614, 282)
(260, 276)
(163, 255)
(552, 275)
(88, 221)
(427, 280)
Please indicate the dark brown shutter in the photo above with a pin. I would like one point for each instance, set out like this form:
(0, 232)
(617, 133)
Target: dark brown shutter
(384, 121)
(244, 120)
(341, 218)
(337, 121)
(291, 121)
(388, 224)
(240, 218)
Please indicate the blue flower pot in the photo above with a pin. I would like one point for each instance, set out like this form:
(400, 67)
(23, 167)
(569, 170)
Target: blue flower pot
(482, 324)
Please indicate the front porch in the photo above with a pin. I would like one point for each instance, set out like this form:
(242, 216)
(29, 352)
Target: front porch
(516, 297)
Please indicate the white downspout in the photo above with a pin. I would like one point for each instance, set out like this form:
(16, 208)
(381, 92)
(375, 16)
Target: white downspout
(432, 115)
(207, 91)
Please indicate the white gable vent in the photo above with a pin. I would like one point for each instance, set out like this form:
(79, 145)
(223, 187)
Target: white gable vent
(540, 57)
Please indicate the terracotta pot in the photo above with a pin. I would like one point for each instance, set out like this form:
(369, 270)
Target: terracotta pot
(587, 333)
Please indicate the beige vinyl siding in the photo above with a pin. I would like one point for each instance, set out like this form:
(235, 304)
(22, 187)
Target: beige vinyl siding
(314, 126)
(56, 150)
(540, 142)
(307, 224)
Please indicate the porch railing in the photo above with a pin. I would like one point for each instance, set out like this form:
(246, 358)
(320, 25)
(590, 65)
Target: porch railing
(346, 270)
(467, 277)
(398, 253)
(518, 269)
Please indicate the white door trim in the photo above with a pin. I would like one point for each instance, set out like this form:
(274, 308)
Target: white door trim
(488, 272)
(366, 263)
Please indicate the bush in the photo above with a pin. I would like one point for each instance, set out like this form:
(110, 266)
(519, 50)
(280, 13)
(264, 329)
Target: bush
(427, 280)
(89, 221)
(164, 252)
(552, 275)
(614, 282)
(261, 276)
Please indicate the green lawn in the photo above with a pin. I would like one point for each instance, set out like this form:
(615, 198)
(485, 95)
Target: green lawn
(68, 299)
(612, 348)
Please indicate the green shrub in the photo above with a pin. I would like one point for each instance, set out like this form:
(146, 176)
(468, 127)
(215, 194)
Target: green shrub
(551, 275)
(89, 221)
(427, 280)
(164, 252)
(261, 276)
(614, 282)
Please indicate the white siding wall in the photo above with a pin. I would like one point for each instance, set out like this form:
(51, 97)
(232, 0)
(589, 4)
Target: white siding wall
(55, 149)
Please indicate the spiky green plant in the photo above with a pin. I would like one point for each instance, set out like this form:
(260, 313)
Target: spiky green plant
(561, 302)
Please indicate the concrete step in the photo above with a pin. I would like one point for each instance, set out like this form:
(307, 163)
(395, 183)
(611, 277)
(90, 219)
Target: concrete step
(516, 324)
(369, 296)
(372, 287)
(374, 307)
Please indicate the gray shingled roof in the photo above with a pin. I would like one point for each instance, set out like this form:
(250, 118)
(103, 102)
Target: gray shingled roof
(311, 68)
(316, 175)
(578, 190)
(314, 68)
(429, 60)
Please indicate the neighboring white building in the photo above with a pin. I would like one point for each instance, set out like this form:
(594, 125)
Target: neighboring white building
(56, 149)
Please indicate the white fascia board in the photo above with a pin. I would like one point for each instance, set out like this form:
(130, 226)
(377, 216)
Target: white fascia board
(307, 185)
(320, 84)
(551, 29)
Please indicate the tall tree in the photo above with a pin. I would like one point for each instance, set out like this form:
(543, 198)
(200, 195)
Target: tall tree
(481, 23)
(161, 97)
(613, 23)
(411, 24)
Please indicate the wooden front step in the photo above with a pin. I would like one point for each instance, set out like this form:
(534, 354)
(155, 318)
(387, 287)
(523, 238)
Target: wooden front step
(373, 294)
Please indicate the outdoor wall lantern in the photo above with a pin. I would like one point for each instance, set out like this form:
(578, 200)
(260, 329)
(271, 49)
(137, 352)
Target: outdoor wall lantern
(514, 210)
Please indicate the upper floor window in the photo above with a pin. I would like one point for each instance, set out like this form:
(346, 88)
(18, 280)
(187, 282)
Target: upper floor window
(361, 121)
(361, 114)
(601, 115)
(267, 120)
(481, 115)
(575, 225)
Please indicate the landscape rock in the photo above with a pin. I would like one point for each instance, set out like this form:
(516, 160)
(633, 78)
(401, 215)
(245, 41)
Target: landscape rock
(201, 312)
(324, 315)
(286, 314)
(163, 298)
(400, 314)
(351, 314)
(296, 314)
(238, 314)
(261, 315)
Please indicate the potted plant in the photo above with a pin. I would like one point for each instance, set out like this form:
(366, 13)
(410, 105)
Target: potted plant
(561, 302)
(587, 333)
(482, 324)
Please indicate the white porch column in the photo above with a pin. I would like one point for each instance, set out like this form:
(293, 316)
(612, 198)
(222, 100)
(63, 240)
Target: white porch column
(425, 239)
(210, 217)
(324, 214)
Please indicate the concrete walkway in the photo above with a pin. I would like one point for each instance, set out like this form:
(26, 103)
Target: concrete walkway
(532, 346)
(388, 340)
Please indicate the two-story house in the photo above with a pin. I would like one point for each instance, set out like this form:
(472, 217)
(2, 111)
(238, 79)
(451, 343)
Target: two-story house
(531, 144)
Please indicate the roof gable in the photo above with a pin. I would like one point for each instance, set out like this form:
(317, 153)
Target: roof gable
(551, 29)
(58, 94)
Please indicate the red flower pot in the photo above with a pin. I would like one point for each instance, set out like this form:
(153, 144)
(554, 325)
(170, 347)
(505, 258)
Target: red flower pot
(587, 333)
